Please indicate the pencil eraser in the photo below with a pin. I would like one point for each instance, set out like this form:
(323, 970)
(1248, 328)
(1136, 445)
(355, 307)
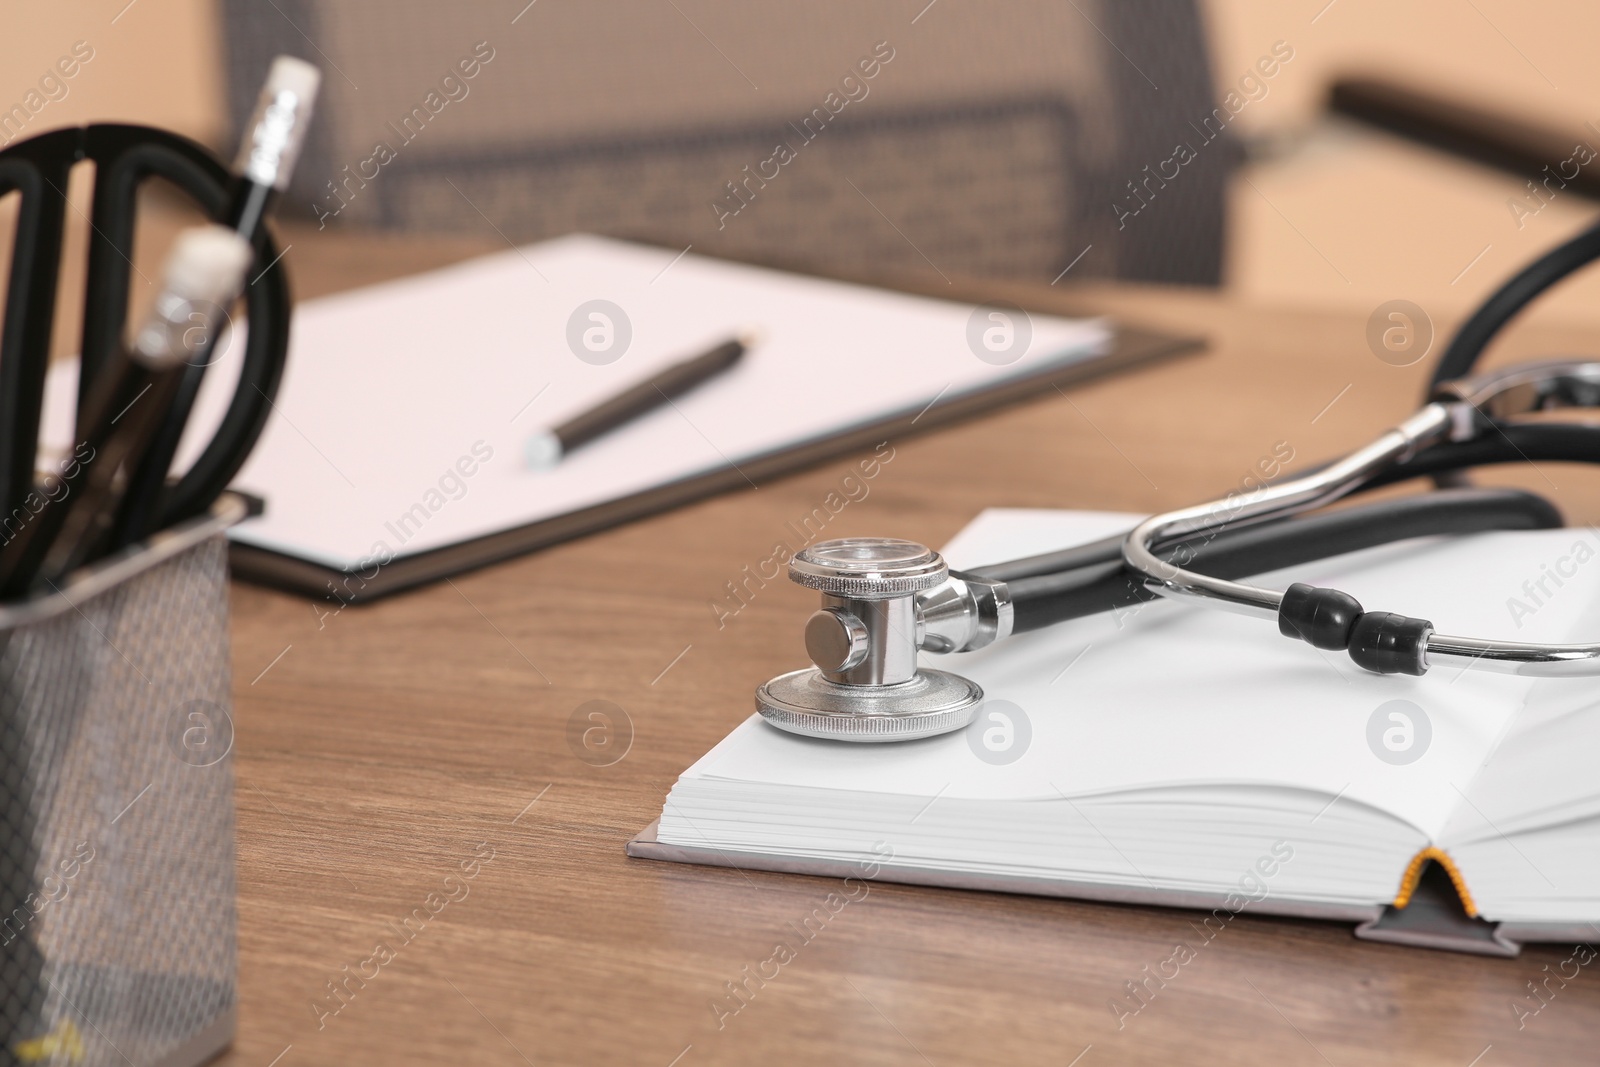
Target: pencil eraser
(277, 129)
(291, 75)
(207, 265)
(541, 451)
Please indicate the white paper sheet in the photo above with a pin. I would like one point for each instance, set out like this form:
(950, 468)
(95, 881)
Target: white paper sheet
(395, 392)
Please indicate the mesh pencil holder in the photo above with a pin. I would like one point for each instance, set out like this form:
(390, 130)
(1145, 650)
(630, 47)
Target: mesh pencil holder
(117, 904)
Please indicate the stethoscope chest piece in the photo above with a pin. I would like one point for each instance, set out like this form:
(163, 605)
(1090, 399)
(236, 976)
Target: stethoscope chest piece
(932, 703)
(866, 685)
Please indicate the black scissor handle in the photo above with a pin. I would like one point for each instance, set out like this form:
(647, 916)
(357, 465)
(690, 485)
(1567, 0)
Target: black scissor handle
(124, 156)
(36, 170)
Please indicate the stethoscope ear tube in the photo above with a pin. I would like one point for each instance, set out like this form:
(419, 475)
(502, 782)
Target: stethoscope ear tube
(1505, 304)
(1516, 442)
(1045, 599)
(1463, 413)
(1508, 301)
(1511, 443)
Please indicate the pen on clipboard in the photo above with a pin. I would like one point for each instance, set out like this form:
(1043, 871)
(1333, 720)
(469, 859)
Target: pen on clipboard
(546, 448)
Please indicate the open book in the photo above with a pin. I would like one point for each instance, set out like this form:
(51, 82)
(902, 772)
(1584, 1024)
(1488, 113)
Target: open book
(1176, 754)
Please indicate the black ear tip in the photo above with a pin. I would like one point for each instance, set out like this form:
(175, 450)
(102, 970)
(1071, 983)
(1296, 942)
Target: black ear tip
(1323, 618)
(1390, 644)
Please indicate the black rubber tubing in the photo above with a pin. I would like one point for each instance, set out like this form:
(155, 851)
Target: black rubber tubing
(1514, 443)
(1043, 600)
(1509, 300)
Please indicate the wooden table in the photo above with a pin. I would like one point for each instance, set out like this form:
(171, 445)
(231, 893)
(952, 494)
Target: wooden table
(381, 748)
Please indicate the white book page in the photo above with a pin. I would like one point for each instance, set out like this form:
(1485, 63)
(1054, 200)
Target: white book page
(1541, 772)
(1527, 834)
(1183, 695)
(394, 393)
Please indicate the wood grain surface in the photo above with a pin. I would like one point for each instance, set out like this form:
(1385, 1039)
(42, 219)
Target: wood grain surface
(384, 751)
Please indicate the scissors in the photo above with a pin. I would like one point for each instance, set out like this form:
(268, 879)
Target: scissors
(124, 158)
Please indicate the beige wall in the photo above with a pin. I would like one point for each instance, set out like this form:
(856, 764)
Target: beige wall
(1354, 219)
(1350, 220)
(157, 61)
(1533, 55)
(154, 61)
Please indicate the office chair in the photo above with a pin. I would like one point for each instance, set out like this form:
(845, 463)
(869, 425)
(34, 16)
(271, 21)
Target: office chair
(994, 143)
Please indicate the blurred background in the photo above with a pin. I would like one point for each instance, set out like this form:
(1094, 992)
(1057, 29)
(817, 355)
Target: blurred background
(989, 140)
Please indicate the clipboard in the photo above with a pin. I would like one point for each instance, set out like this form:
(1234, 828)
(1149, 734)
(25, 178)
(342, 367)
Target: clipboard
(1131, 347)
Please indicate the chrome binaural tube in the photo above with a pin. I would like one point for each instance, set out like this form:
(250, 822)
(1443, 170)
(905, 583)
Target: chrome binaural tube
(1430, 425)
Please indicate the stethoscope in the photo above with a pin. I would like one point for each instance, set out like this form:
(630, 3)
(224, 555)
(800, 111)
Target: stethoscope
(884, 600)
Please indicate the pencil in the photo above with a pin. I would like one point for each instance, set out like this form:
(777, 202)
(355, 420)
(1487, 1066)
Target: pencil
(267, 156)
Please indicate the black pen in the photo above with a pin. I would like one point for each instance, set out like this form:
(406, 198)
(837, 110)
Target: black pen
(545, 449)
